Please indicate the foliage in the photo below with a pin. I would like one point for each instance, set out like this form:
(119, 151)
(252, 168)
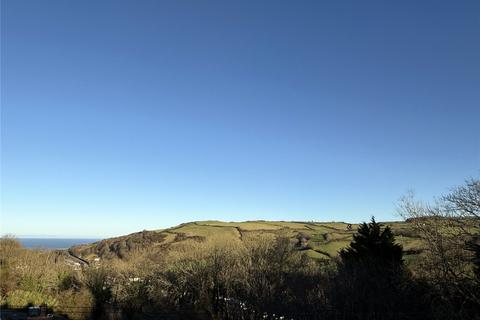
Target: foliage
(260, 269)
(373, 246)
(20, 298)
(371, 281)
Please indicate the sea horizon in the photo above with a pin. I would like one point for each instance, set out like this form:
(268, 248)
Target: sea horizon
(53, 243)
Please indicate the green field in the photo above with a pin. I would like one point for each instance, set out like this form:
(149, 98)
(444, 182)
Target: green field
(319, 240)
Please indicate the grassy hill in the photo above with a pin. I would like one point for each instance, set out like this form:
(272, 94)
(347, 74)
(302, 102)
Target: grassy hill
(319, 240)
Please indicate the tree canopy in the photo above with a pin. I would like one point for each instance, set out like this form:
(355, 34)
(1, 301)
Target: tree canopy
(372, 244)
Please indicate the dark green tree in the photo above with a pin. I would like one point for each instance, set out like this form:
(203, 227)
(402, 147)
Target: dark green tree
(373, 247)
(372, 282)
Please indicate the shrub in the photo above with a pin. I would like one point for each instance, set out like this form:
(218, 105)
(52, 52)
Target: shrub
(21, 298)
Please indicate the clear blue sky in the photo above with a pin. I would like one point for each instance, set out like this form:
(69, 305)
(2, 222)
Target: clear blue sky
(119, 116)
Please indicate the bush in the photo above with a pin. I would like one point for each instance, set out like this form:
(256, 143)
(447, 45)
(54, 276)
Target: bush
(21, 298)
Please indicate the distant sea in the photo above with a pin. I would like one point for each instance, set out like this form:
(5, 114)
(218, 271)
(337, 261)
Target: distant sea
(52, 243)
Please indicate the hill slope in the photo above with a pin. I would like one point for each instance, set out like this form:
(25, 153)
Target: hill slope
(321, 240)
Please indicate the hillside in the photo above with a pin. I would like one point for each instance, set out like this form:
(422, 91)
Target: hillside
(320, 240)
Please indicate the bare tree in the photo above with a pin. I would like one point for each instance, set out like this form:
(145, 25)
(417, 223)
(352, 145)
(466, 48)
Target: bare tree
(450, 229)
(464, 201)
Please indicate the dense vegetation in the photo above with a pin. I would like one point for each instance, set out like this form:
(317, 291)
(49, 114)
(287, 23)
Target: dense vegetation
(425, 268)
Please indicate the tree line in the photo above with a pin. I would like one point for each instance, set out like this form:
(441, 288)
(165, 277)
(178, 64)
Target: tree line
(269, 278)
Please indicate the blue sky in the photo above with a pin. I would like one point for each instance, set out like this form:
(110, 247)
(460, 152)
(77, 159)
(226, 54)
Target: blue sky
(119, 116)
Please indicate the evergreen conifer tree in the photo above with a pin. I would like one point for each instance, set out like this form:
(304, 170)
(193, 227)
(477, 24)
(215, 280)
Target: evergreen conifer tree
(374, 247)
